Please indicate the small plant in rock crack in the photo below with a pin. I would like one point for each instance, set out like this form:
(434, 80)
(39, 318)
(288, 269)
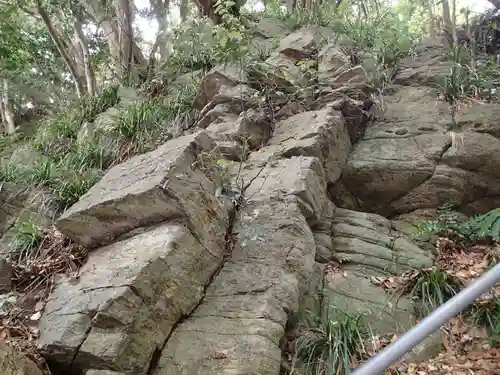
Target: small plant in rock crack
(329, 343)
(458, 83)
(431, 289)
(28, 236)
(446, 220)
(216, 168)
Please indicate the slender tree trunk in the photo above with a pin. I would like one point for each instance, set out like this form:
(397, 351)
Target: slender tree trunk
(3, 119)
(454, 21)
(89, 73)
(160, 8)
(61, 48)
(448, 26)
(184, 10)
(431, 25)
(10, 126)
(112, 23)
(126, 37)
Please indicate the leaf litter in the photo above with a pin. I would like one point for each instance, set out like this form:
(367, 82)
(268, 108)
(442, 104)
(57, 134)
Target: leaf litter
(468, 349)
(34, 276)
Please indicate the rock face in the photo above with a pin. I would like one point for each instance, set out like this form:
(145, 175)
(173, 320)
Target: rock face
(238, 326)
(407, 161)
(167, 233)
(149, 189)
(197, 269)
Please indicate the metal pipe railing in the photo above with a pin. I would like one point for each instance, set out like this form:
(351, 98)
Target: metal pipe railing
(390, 354)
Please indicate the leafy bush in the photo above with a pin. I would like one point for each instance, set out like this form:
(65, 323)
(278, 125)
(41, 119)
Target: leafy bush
(484, 226)
(324, 15)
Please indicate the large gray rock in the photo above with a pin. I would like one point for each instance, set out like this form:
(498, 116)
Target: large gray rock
(321, 134)
(367, 245)
(428, 66)
(351, 292)
(127, 298)
(272, 28)
(408, 160)
(372, 243)
(305, 42)
(171, 182)
(238, 326)
(216, 78)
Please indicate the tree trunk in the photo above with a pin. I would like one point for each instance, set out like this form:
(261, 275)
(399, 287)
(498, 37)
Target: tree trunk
(117, 33)
(89, 73)
(10, 126)
(454, 21)
(431, 26)
(61, 48)
(206, 8)
(126, 37)
(184, 10)
(160, 8)
(448, 26)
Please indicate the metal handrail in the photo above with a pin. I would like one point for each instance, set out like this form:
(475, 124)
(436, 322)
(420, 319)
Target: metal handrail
(390, 354)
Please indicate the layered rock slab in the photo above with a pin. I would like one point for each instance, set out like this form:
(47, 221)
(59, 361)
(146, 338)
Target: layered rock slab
(168, 183)
(128, 297)
(410, 161)
(321, 134)
(168, 231)
(237, 327)
(367, 245)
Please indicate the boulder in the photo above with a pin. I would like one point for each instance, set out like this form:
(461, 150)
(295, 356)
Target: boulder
(321, 134)
(369, 246)
(216, 78)
(305, 42)
(171, 182)
(126, 300)
(272, 28)
(428, 66)
(407, 160)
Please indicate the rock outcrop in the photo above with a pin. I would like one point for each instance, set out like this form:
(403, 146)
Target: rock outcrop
(196, 269)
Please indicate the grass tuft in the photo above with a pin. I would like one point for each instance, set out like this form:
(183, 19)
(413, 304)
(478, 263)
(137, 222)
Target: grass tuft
(431, 289)
(328, 344)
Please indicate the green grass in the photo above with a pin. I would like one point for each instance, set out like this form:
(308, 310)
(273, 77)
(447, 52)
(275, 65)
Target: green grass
(487, 314)
(68, 167)
(327, 344)
(28, 236)
(431, 289)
